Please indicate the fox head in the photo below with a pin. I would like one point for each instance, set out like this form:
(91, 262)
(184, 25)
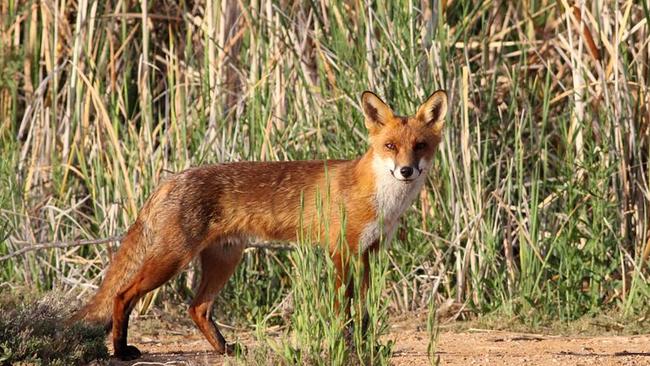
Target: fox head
(404, 146)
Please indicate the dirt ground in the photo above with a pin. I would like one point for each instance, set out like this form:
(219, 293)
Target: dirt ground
(166, 343)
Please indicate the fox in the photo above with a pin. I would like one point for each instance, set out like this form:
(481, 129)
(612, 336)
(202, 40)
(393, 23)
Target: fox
(210, 212)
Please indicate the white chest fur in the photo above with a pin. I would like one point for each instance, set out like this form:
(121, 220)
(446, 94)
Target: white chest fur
(392, 198)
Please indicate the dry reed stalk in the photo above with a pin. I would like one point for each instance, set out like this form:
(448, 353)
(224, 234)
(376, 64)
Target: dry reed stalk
(370, 46)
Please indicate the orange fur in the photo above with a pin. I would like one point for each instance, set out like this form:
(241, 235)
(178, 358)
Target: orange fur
(210, 211)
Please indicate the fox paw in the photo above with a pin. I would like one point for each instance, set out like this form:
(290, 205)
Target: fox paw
(233, 349)
(129, 353)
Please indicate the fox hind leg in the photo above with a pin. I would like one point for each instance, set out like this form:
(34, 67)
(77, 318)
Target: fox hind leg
(218, 263)
(153, 273)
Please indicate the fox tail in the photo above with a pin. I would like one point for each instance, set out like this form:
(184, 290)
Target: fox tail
(122, 269)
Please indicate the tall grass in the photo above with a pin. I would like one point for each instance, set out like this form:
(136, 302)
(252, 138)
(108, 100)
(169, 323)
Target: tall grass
(537, 203)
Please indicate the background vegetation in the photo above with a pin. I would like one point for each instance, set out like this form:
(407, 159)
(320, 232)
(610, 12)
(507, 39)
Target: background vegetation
(537, 206)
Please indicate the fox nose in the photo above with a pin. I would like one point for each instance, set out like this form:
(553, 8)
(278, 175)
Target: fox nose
(406, 171)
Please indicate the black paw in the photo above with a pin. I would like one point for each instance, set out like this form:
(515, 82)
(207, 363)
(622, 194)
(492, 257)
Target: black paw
(233, 349)
(129, 353)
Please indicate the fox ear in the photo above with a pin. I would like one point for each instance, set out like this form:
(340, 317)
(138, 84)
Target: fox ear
(377, 113)
(433, 111)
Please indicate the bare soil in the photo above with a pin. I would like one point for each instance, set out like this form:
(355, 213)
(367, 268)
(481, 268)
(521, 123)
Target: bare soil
(164, 342)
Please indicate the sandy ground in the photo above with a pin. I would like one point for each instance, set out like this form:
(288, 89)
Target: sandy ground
(487, 347)
(174, 344)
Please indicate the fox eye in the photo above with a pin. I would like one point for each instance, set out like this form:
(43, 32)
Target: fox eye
(391, 146)
(420, 146)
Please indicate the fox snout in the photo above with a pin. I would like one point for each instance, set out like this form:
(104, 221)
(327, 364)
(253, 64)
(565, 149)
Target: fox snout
(406, 172)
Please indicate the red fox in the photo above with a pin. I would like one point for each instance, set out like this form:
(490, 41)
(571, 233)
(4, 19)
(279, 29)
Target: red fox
(211, 212)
